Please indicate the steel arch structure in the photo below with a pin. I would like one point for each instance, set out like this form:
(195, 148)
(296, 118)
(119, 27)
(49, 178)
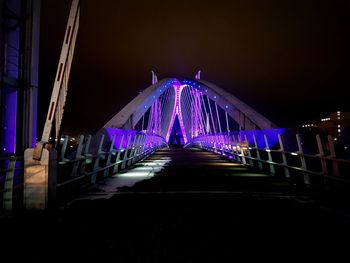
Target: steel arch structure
(201, 107)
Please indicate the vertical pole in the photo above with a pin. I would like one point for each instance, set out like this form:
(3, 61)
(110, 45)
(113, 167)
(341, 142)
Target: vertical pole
(257, 153)
(227, 126)
(133, 148)
(335, 168)
(272, 167)
(117, 159)
(110, 152)
(241, 150)
(321, 154)
(217, 116)
(249, 153)
(126, 151)
(97, 160)
(87, 145)
(211, 115)
(302, 160)
(143, 122)
(284, 158)
(207, 125)
(86, 154)
(64, 147)
(78, 156)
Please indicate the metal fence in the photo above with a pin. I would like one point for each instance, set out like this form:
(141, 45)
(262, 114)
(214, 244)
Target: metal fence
(80, 163)
(319, 169)
(86, 163)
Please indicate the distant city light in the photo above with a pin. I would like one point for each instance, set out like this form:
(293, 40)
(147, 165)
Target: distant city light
(338, 125)
(339, 130)
(326, 119)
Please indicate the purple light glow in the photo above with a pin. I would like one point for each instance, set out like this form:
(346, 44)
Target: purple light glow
(10, 93)
(177, 111)
(151, 140)
(119, 133)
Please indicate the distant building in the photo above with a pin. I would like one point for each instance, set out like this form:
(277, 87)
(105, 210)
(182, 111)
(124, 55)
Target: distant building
(337, 124)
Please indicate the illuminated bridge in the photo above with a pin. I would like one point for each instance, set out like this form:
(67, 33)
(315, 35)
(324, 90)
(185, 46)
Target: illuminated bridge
(184, 172)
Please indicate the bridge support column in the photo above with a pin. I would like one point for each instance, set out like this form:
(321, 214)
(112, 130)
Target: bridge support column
(39, 179)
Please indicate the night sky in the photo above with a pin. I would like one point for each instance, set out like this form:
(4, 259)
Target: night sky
(289, 60)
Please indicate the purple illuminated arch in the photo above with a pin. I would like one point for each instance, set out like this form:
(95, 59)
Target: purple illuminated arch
(240, 112)
(177, 112)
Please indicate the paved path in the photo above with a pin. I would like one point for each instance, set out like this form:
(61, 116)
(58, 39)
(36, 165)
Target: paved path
(178, 170)
(196, 207)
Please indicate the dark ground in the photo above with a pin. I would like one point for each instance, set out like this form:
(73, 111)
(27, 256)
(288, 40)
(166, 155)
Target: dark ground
(199, 212)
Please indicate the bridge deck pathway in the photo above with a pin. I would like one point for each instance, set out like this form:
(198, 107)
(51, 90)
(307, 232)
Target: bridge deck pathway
(196, 207)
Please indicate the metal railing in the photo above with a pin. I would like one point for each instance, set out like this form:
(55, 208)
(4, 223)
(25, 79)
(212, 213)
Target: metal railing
(317, 169)
(83, 164)
(79, 164)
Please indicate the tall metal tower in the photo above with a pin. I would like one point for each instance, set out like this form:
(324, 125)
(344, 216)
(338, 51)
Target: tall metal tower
(19, 57)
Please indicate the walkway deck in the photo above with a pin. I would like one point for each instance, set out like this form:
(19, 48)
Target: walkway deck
(196, 207)
(191, 171)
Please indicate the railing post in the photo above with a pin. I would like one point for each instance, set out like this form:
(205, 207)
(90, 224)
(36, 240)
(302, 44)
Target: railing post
(234, 149)
(8, 188)
(248, 150)
(284, 158)
(133, 149)
(97, 160)
(139, 146)
(110, 152)
(321, 155)
(335, 168)
(302, 160)
(117, 159)
(257, 153)
(78, 156)
(269, 155)
(125, 157)
(241, 150)
(64, 148)
(86, 154)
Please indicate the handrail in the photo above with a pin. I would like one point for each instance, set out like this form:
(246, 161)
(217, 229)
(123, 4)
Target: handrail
(324, 166)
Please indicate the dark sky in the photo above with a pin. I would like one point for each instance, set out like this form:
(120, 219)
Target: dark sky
(287, 59)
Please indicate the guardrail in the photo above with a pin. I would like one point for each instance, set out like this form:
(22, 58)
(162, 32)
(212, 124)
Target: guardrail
(316, 169)
(78, 166)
